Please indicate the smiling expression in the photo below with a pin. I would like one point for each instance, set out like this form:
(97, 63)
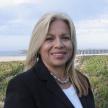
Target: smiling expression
(57, 47)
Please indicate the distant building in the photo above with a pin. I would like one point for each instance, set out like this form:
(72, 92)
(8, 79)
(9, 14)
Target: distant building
(92, 51)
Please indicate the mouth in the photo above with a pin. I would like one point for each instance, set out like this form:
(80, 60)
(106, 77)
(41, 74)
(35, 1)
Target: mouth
(59, 54)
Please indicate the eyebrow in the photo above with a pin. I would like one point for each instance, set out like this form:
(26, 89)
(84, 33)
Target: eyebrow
(61, 34)
(50, 34)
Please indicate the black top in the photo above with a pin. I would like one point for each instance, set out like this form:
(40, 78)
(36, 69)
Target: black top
(36, 88)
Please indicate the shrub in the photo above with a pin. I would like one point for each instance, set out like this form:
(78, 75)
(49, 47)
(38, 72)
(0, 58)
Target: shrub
(95, 67)
(7, 71)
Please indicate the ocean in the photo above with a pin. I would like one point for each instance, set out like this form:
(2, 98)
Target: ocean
(13, 53)
(23, 52)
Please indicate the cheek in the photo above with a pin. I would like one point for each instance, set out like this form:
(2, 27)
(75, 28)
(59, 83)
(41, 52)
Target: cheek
(70, 49)
(70, 53)
(44, 49)
(70, 46)
(41, 50)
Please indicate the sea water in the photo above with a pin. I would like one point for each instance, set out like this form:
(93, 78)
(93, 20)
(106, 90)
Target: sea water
(12, 53)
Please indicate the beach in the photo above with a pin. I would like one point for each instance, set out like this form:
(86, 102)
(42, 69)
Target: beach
(12, 58)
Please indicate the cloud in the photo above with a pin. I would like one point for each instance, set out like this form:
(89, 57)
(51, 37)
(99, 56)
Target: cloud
(97, 24)
(6, 3)
(93, 32)
(28, 1)
(18, 20)
(14, 42)
(18, 17)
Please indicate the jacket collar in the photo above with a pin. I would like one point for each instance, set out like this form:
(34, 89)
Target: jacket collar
(42, 71)
(44, 75)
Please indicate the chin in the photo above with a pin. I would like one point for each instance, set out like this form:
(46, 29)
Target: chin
(59, 63)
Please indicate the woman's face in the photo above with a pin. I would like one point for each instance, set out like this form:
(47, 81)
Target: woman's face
(57, 48)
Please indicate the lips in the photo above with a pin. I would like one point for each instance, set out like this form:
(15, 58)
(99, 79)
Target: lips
(59, 54)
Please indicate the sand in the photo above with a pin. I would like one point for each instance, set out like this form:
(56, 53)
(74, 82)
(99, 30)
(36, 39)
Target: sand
(12, 58)
(22, 58)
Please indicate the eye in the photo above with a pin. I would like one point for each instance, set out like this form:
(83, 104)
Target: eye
(66, 38)
(49, 39)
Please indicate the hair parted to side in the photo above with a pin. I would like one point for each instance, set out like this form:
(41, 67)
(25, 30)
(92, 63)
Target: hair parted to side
(38, 37)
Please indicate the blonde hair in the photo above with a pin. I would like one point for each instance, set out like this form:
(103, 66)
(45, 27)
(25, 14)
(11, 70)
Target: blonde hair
(38, 36)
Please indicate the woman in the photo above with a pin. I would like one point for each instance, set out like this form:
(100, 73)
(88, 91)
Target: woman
(50, 79)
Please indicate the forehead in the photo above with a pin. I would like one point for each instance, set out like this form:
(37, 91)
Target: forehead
(59, 25)
(59, 20)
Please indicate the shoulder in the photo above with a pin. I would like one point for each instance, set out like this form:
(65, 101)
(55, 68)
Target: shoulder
(80, 74)
(18, 91)
(83, 77)
(23, 78)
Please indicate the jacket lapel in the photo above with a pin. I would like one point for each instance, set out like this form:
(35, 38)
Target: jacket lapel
(83, 101)
(57, 91)
(51, 84)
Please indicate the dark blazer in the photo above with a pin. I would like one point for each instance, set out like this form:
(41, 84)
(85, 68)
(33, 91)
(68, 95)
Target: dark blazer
(36, 88)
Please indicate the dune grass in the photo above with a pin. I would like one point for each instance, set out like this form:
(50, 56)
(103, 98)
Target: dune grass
(7, 71)
(95, 67)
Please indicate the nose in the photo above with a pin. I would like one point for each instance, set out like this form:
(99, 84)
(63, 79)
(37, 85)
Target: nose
(59, 43)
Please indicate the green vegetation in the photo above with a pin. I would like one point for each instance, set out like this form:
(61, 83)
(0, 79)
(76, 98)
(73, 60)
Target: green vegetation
(7, 71)
(95, 67)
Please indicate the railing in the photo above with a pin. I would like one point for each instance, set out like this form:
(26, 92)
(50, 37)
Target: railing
(89, 52)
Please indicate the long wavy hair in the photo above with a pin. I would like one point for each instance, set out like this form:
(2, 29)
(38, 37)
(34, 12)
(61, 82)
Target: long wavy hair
(39, 34)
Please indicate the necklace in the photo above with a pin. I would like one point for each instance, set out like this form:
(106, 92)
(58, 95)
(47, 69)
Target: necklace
(59, 80)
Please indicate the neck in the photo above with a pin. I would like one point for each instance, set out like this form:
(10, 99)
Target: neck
(58, 72)
(60, 77)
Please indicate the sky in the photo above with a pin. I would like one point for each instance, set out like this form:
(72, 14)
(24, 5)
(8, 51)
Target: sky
(18, 17)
